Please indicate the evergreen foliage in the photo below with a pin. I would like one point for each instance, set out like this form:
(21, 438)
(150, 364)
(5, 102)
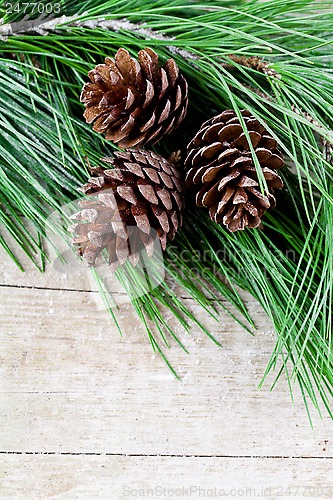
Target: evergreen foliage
(274, 58)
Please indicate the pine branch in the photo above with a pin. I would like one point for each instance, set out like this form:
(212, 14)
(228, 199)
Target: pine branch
(43, 143)
(43, 27)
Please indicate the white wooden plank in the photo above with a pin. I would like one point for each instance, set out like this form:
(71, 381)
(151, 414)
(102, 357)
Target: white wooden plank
(73, 274)
(69, 383)
(104, 477)
(80, 279)
(57, 276)
(67, 277)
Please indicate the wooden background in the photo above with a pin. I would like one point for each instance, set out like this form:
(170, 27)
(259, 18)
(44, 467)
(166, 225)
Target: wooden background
(85, 413)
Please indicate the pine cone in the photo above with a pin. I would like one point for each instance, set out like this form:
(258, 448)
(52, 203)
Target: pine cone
(135, 103)
(220, 168)
(142, 191)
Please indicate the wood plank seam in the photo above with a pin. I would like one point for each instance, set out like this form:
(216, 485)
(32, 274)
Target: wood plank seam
(210, 299)
(166, 455)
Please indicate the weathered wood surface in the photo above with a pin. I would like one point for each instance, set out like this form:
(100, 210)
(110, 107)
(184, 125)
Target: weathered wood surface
(100, 412)
(119, 477)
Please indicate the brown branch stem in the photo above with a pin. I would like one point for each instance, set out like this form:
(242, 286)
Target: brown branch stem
(256, 63)
(43, 26)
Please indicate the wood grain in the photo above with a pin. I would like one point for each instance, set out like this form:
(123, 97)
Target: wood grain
(119, 477)
(74, 384)
(108, 413)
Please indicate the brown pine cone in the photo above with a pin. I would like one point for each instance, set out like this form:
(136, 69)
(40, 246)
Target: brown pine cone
(135, 103)
(141, 193)
(221, 170)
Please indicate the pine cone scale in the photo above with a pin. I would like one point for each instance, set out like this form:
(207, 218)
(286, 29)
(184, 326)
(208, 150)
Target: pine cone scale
(129, 68)
(150, 93)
